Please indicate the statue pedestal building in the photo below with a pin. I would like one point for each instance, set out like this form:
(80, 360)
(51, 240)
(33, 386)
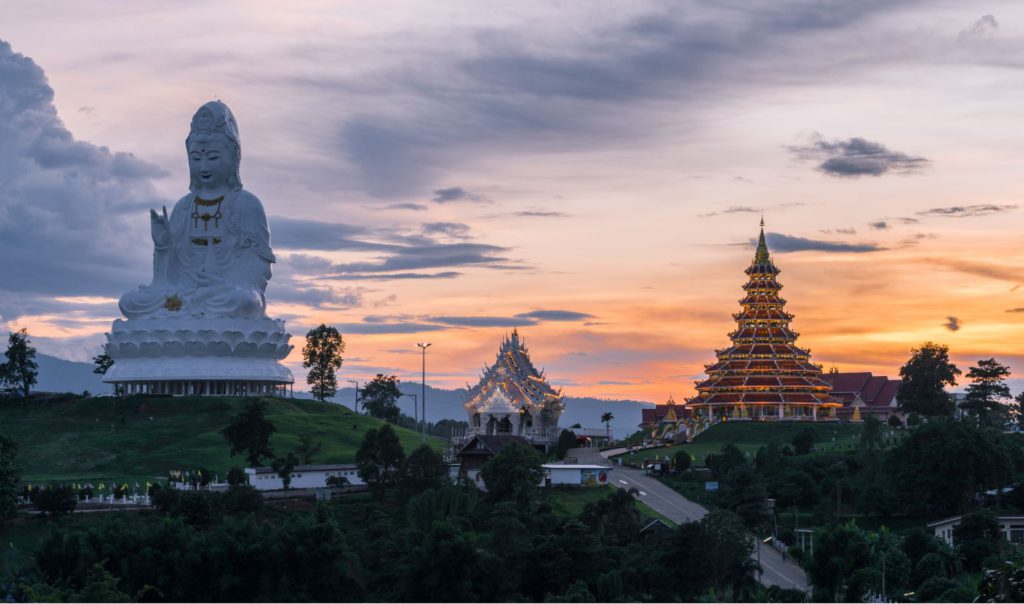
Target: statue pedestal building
(200, 327)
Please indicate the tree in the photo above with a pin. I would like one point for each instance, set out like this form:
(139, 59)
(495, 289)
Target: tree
(873, 434)
(55, 500)
(307, 448)
(743, 492)
(977, 537)
(10, 478)
(237, 477)
(249, 432)
(380, 398)
(924, 379)
(1017, 410)
(606, 419)
(986, 393)
(20, 370)
(513, 474)
(424, 469)
(284, 466)
(803, 442)
(379, 457)
(566, 441)
(322, 357)
(838, 552)
(101, 586)
(103, 363)
(683, 460)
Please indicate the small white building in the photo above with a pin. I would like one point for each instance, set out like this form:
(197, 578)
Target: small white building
(581, 475)
(303, 477)
(1012, 528)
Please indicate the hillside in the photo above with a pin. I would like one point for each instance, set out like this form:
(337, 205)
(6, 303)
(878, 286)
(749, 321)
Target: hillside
(750, 436)
(59, 375)
(105, 438)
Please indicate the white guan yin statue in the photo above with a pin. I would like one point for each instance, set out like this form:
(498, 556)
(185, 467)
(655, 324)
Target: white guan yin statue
(200, 326)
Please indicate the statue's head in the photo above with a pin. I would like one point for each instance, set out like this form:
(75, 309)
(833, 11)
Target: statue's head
(214, 148)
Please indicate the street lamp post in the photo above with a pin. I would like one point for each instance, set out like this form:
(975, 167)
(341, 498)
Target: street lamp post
(356, 383)
(423, 399)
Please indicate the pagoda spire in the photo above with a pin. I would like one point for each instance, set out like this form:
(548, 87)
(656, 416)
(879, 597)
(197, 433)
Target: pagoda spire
(762, 248)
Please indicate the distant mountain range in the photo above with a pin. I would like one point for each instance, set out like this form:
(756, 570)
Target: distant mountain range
(58, 375)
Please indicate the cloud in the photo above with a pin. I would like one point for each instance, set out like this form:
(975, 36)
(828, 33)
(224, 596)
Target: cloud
(984, 28)
(395, 276)
(386, 328)
(450, 229)
(457, 194)
(881, 225)
(855, 157)
(1001, 272)
(952, 324)
(556, 315)
(733, 210)
(416, 207)
(1016, 310)
(968, 211)
(471, 321)
(539, 214)
(522, 88)
(64, 229)
(777, 242)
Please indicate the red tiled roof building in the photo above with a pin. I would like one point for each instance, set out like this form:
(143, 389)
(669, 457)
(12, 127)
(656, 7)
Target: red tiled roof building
(763, 375)
(863, 394)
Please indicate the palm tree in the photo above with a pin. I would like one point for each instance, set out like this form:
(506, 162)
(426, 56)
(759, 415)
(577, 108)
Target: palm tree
(607, 418)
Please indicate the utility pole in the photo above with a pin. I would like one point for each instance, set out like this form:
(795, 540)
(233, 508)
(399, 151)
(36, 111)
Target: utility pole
(423, 430)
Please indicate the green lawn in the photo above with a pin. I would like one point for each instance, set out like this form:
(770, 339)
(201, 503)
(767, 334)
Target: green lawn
(137, 438)
(749, 436)
(568, 502)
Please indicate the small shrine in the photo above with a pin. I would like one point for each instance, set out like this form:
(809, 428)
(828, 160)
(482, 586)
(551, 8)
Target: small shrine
(514, 399)
(763, 376)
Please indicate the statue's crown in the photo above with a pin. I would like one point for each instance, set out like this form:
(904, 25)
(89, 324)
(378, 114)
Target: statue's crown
(215, 118)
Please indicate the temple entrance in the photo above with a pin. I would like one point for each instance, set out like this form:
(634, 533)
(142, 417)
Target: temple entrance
(505, 426)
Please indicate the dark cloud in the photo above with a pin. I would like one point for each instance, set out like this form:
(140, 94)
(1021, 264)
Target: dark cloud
(881, 225)
(470, 321)
(733, 210)
(968, 211)
(984, 28)
(63, 231)
(847, 231)
(855, 157)
(1016, 310)
(520, 91)
(556, 315)
(295, 234)
(777, 242)
(416, 207)
(386, 328)
(952, 324)
(907, 220)
(539, 214)
(395, 276)
(428, 256)
(457, 194)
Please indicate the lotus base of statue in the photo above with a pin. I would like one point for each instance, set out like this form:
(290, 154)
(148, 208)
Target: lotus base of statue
(199, 356)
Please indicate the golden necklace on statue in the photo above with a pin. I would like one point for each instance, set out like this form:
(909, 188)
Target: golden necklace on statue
(206, 206)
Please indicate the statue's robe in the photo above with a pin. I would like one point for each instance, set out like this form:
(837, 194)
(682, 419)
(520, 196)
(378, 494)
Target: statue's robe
(215, 271)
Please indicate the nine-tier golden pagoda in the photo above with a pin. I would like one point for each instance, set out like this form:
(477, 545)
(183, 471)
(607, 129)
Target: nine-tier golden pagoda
(763, 376)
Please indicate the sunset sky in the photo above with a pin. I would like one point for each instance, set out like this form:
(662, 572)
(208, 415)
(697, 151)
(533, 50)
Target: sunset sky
(590, 172)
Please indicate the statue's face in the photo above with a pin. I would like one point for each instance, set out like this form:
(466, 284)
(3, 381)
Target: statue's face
(209, 162)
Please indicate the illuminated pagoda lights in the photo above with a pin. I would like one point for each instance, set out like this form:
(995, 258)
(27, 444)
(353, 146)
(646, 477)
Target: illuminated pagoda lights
(514, 399)
(763, 375)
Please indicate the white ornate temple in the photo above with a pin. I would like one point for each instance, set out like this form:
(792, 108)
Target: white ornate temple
(514, 399)
(200, 327)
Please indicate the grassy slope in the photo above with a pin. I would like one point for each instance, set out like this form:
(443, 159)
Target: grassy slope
(568, 502)
(138, 438)
(749, 436)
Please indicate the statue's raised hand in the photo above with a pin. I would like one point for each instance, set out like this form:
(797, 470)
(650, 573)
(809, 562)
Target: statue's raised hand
(160, 225)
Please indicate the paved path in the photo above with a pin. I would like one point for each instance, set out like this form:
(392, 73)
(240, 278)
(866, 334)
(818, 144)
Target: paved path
(776, 571)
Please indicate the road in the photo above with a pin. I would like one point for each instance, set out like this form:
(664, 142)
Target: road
(776, 570)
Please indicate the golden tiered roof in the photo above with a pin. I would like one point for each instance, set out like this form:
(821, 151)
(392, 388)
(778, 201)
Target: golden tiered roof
(764, 366)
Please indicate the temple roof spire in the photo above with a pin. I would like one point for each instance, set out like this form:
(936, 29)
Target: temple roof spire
(762, 248)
